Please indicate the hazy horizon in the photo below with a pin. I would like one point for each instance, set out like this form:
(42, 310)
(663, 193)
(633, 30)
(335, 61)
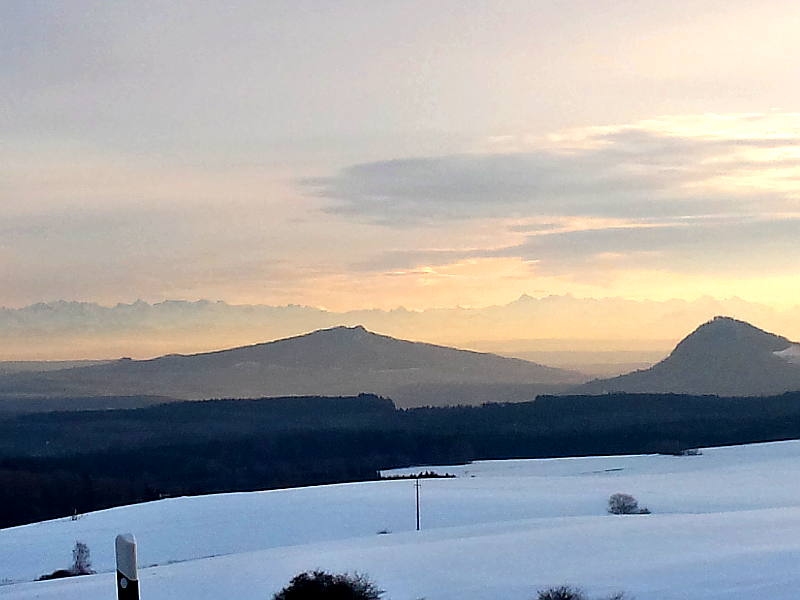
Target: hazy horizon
(556, 330)
(398, 154)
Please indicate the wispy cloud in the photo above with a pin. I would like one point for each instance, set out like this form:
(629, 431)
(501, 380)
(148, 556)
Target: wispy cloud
(714, 197)
(628, 172)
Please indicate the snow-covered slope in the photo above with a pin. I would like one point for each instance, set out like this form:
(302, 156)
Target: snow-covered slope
(724, 525)
(791, 354)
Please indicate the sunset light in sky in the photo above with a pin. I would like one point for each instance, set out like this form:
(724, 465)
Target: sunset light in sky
(382, 154)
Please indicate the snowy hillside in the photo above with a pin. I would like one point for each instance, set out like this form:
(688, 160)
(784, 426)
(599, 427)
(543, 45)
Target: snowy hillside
(725, 524)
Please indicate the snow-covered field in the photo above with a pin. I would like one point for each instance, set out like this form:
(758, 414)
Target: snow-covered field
(725, 524)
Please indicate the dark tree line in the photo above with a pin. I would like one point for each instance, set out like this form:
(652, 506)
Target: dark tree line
(53, 464)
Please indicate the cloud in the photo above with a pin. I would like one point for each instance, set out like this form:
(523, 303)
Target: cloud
(713, 246)
(712, 197)
(707, 246)
(627, 172)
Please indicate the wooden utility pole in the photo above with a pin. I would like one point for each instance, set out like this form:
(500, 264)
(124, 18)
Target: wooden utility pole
(417, 486)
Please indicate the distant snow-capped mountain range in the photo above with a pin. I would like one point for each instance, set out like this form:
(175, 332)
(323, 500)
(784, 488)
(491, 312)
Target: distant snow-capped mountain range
(532, 328)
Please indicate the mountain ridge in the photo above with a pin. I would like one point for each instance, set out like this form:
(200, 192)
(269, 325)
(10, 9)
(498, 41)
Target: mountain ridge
(724, 356)
(339, 360)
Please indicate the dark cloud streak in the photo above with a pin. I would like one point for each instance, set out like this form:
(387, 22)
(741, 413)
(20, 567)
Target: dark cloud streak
(633, 173)
(713, 246)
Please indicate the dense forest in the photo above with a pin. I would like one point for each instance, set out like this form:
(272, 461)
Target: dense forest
(56, 464)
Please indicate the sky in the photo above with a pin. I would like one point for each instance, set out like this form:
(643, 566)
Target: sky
(364, 154)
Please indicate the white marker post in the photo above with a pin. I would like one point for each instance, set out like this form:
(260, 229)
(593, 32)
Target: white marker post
(127, 576)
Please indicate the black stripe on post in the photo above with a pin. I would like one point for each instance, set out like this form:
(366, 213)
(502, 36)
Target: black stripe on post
(127, 589)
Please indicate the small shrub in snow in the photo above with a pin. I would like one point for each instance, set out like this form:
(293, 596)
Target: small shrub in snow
(625, 504)
(319, 585)
(565, 592)
(562, 592)
(81, 564)
(81, 559)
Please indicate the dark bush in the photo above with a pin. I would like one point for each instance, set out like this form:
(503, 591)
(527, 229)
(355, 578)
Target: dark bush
(60, 574)
(562, 592)
(320, 585)
(565, 592)
(625, 504)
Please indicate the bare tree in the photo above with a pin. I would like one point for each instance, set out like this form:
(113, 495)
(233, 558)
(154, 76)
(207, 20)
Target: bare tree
(81, 559)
